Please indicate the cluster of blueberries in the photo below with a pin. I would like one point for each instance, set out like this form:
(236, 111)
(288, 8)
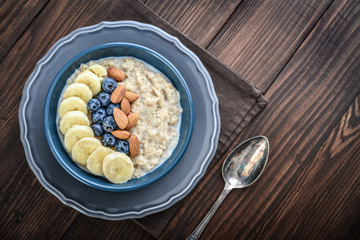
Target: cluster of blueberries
(102, 116)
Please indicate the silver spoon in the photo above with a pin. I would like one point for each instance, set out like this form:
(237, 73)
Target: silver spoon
(241, 168)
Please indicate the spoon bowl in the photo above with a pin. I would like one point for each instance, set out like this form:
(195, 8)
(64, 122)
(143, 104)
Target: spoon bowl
(241, 168)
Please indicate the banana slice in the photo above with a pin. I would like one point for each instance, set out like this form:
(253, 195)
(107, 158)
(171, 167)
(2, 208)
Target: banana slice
(75, 133)
(73, 118)
(118, 167)
(72, 104)
(95, 160)
(78, 90)
(99, 70)
(89, 78)
(83, 148)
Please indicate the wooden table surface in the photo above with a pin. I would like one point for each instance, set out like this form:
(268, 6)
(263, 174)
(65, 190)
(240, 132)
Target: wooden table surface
(304, 54)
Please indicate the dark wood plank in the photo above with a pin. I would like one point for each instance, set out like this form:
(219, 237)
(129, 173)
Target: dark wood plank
(308, 99)
(89, 228)
(261, 36)
(354, 232)
(324, 203)
(15, 16)
(199, 20)
(27, 209)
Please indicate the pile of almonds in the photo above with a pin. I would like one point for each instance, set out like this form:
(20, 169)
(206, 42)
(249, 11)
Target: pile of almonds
(124, 118)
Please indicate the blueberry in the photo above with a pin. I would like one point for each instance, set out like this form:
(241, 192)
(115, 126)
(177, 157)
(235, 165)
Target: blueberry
(122, 146)
(109, 124)
(108, 140)
(110, 108)
(99, 115)
(93, 105)
(97, 129)
(109, 85)
(104, 98)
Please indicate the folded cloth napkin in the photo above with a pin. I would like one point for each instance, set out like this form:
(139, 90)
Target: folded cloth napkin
(239, 101)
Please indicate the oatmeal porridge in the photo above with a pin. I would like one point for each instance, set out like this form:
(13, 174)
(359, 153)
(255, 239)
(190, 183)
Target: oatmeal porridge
(119, 108)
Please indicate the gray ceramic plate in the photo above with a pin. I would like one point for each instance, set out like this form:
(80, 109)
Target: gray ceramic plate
(157, 196)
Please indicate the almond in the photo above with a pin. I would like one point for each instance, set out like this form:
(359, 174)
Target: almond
(131, 96)
(121, 134)
(134, 146)
(120, 118)
(116, 74)
(132, 120)
(125, 106)
(118, 94)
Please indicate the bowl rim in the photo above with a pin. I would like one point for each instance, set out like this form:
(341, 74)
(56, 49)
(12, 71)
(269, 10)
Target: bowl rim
(80, 177)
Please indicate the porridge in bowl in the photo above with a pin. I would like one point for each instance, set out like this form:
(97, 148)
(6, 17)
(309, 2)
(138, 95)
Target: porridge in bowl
(119, 118)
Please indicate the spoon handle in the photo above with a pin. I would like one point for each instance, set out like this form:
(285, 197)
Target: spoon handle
(199, 229)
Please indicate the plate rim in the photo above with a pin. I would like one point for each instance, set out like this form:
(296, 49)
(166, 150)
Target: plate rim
(129, 214)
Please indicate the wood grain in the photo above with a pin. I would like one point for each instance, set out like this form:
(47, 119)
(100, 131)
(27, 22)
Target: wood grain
(327, 190)
(90, 228)
(354, 232)
(305, 107)
(199, 20)
(28, 211)
(15, 16)
(261, 36)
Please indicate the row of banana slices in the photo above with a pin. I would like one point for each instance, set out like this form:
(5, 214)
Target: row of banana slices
(79, 139)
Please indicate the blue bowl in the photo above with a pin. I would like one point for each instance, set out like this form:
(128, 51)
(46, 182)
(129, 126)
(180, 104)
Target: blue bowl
(120, 49)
